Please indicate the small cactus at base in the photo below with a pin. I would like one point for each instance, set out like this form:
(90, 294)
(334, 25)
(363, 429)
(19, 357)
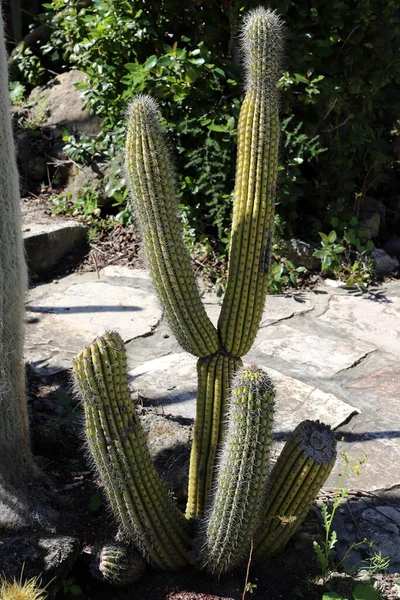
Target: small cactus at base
(242, 473)
(117, 564)
(299, 473)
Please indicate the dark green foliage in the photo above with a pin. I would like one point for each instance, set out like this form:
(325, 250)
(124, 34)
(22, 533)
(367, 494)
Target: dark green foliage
(339, 102)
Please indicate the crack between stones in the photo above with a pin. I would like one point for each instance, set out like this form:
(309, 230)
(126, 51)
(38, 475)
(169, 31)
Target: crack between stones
(356, 362)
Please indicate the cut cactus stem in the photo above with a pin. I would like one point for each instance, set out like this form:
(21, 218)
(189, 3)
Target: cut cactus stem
(242, 473)
(118, 446)
(298, 475)
(117, 564)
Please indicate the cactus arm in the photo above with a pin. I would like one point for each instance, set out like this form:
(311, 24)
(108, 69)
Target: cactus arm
(301, 469)
(116, 441)
(255, 187)
(239, 494)
(151, 181)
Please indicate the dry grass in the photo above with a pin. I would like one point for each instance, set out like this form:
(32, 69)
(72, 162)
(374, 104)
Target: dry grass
(18, 590)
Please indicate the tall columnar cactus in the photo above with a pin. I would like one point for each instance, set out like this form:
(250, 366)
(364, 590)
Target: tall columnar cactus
(232, 502)
(15, 454)
(150, 177)
(299, 473)
(117, 444)
(242, 473)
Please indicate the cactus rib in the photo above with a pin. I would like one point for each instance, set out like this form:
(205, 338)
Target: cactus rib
(150, 177)
(302, 468)
(117, 443)
(239, 494)
(255, 187)
(214, 376)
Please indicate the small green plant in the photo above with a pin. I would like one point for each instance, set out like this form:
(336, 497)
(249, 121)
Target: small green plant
(362, 591)
(284, 274)
(324, 550)
(70, 587)
(330, 252)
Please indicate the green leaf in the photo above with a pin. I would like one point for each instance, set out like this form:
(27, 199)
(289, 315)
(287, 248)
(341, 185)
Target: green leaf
(332, 596)
(17, 91)
(219, 128)
(150, 63)
(332, 237)
(75, 590)
(364, 591)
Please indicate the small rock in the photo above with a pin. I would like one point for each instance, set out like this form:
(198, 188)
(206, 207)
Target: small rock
(384, 264)
(36, 168)
(371, 225)
(48, 556)
(59, 102)
(301, 254)
(392, 246)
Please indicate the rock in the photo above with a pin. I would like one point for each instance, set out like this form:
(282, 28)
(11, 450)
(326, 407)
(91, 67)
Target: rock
(301, 254)
(392, 246)
(371, 225)
(81, 178)
(48, 556)
(36, 168)
(169, 441)
(307, 354)
(365, 318)
(384, 264)
(61, 104)
(69, 315)
(47, 239)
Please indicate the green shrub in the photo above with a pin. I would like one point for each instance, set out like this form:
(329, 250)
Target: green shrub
(339, 101)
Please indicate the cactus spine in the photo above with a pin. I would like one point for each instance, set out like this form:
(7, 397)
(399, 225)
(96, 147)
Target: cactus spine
(117, 444)
(299, 473)
(150, 177)
(242, 472)
(16, 459)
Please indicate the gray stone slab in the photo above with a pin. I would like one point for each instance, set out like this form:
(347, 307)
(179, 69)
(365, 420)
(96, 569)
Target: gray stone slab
(171, 382)
(373, 320)
(62, 321)
(48, 239)
(380, 390)
(308, 354)
(278, 308)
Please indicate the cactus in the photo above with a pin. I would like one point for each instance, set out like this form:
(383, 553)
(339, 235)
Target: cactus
(118, 447)
(242, 473)
(150, 176)
(117, 564)
(16, 459)
(229, 500)
(299, 473)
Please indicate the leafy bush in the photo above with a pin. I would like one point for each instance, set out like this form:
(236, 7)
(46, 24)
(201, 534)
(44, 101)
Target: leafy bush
(339, 100)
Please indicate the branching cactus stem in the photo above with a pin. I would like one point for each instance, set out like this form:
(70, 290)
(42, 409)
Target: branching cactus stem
(117, 444)
(299, 473)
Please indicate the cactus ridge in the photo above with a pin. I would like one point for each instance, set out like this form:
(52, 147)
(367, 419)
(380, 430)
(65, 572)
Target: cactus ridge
(214, 376)
(302, 468)
(150, 174)
(118, 446)
(242, 473)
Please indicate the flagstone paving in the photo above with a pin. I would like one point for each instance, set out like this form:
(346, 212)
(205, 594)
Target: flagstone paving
(332, 354)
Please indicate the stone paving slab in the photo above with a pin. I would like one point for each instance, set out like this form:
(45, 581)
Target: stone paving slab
(308, 354)
(373, 320)
(380, 389)
(61, 322)
(170, 383)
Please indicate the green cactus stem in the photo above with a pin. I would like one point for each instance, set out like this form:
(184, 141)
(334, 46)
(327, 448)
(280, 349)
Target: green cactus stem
(117, 444)
(150, 177)
(16, 463)
(299, 473)
(242, 473)
(117, 564)
(214, 376)
(255, 186)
